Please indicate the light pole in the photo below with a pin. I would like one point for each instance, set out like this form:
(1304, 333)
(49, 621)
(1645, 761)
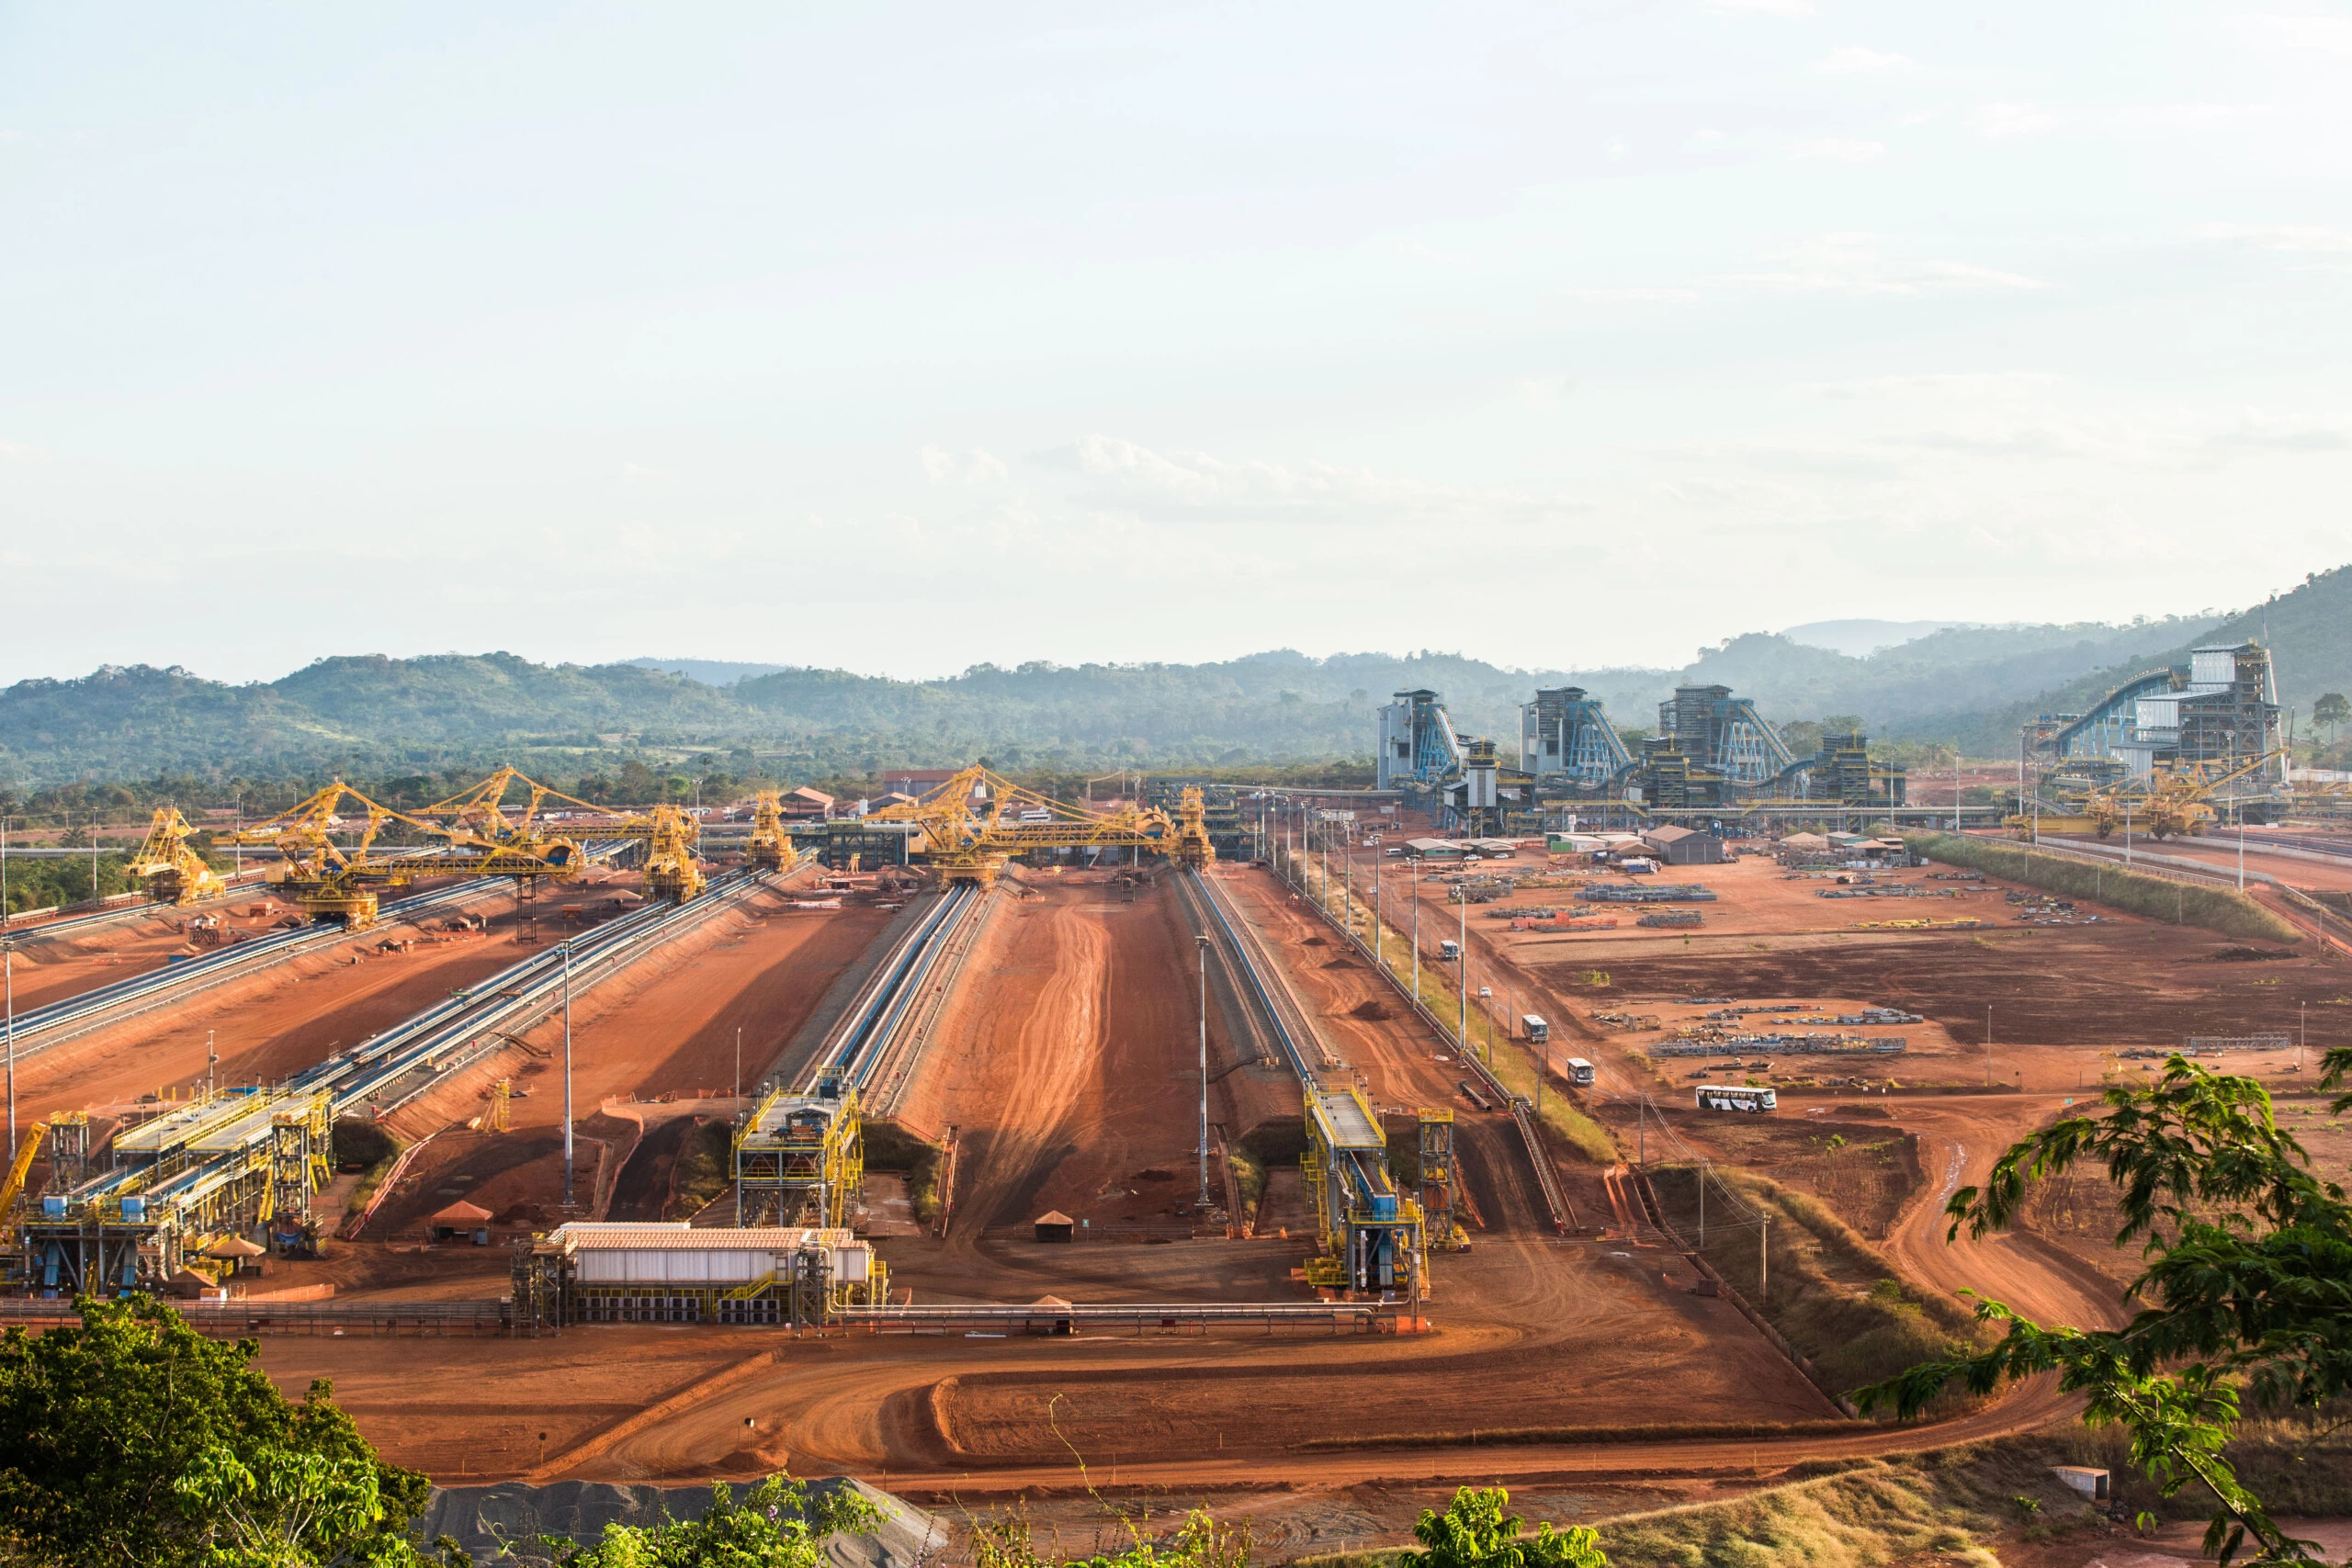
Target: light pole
(564, 951)
(1203, 943)
(1461, 976)
(8, 968)
(1413, 892)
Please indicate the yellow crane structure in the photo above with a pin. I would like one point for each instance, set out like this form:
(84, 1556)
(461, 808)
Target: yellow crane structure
(670, 834)
(332, 881)
(2174, 801)
(28, 1150)
(167, 868)
(976, 821)
(1193, 846)
(771, 847)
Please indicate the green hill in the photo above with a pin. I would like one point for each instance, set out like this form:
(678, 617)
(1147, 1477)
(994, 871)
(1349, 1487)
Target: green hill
(371, 716)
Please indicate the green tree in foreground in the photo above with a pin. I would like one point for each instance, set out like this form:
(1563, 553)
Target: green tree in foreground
(1475, 1532)
(2248, 1266)
(135, 1439)
(776, 1524)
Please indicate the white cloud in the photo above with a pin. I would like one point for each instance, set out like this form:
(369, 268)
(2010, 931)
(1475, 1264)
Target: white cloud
(1836, 149)
(969, 468)
(1853, 58)
(2289, 433)
(1199, 487)
(1767, 7)
(2308, 237)
(2011, 120)
(2305, 34)
(1945, 384)
(1848, 262)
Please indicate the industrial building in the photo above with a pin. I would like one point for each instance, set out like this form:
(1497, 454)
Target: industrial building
(1418, 744)
(2221, 707)
(1714, 753)
(672, 1272)
(1565, 738)
(1373, 1236)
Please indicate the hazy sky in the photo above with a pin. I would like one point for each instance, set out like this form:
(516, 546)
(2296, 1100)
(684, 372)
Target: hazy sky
(903, 337)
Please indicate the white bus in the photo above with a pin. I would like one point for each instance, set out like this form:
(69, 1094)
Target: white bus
(1579, 1072)
(1537, 1029)
(1735, 1096)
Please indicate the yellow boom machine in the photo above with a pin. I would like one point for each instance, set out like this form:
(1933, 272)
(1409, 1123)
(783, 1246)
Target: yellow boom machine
(976, 821)
(474, 833)
(167, 868)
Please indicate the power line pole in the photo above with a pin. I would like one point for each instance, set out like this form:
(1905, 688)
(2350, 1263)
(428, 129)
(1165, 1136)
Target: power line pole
(1204, 945)
(565, 951)
(8, 966)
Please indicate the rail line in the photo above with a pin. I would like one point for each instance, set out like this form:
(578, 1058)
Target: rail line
(1547, 1179)
(860, 1043)
(415, 1056)
(1293, 1031)
(45, 1028)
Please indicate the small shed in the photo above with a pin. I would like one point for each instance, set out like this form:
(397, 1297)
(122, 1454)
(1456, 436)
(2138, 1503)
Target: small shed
(1053, 1315)
(1806, 843)
(1054, 1225)
(460, 1221)
(235, 1252)
(1684, 846)
(2090, 1481)
(804, 802)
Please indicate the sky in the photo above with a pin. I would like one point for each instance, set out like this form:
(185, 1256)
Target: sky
(907, 337)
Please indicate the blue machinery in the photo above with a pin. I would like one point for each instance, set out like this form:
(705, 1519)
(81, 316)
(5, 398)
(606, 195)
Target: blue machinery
(247, 1161)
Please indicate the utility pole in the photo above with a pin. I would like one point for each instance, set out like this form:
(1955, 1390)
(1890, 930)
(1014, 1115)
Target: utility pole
(2241, 846)
(1413, 892)
(1204, 944)
(564, 951)
(1702, 1205)
(211, 1066)
(1988, 1044)
(738, 1061)
(1763, 1259)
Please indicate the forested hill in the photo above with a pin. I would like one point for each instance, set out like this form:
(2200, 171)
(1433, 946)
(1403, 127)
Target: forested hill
(2309, 632)
(372, 716)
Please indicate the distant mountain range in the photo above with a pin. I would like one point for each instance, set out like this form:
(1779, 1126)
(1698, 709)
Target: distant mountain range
(369, 715)
(1860, 639)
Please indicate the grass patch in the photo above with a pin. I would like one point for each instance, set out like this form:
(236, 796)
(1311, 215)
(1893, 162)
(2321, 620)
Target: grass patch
(1512, 1062)
(1833, 1296)
(705, 1169)
(1962, 1504)
(358, 1141)
(1248, 1175)
(2215, 909)
(889, 1146)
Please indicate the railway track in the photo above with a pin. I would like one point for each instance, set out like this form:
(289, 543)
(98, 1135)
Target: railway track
(41, 1029)
(400, 1064)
